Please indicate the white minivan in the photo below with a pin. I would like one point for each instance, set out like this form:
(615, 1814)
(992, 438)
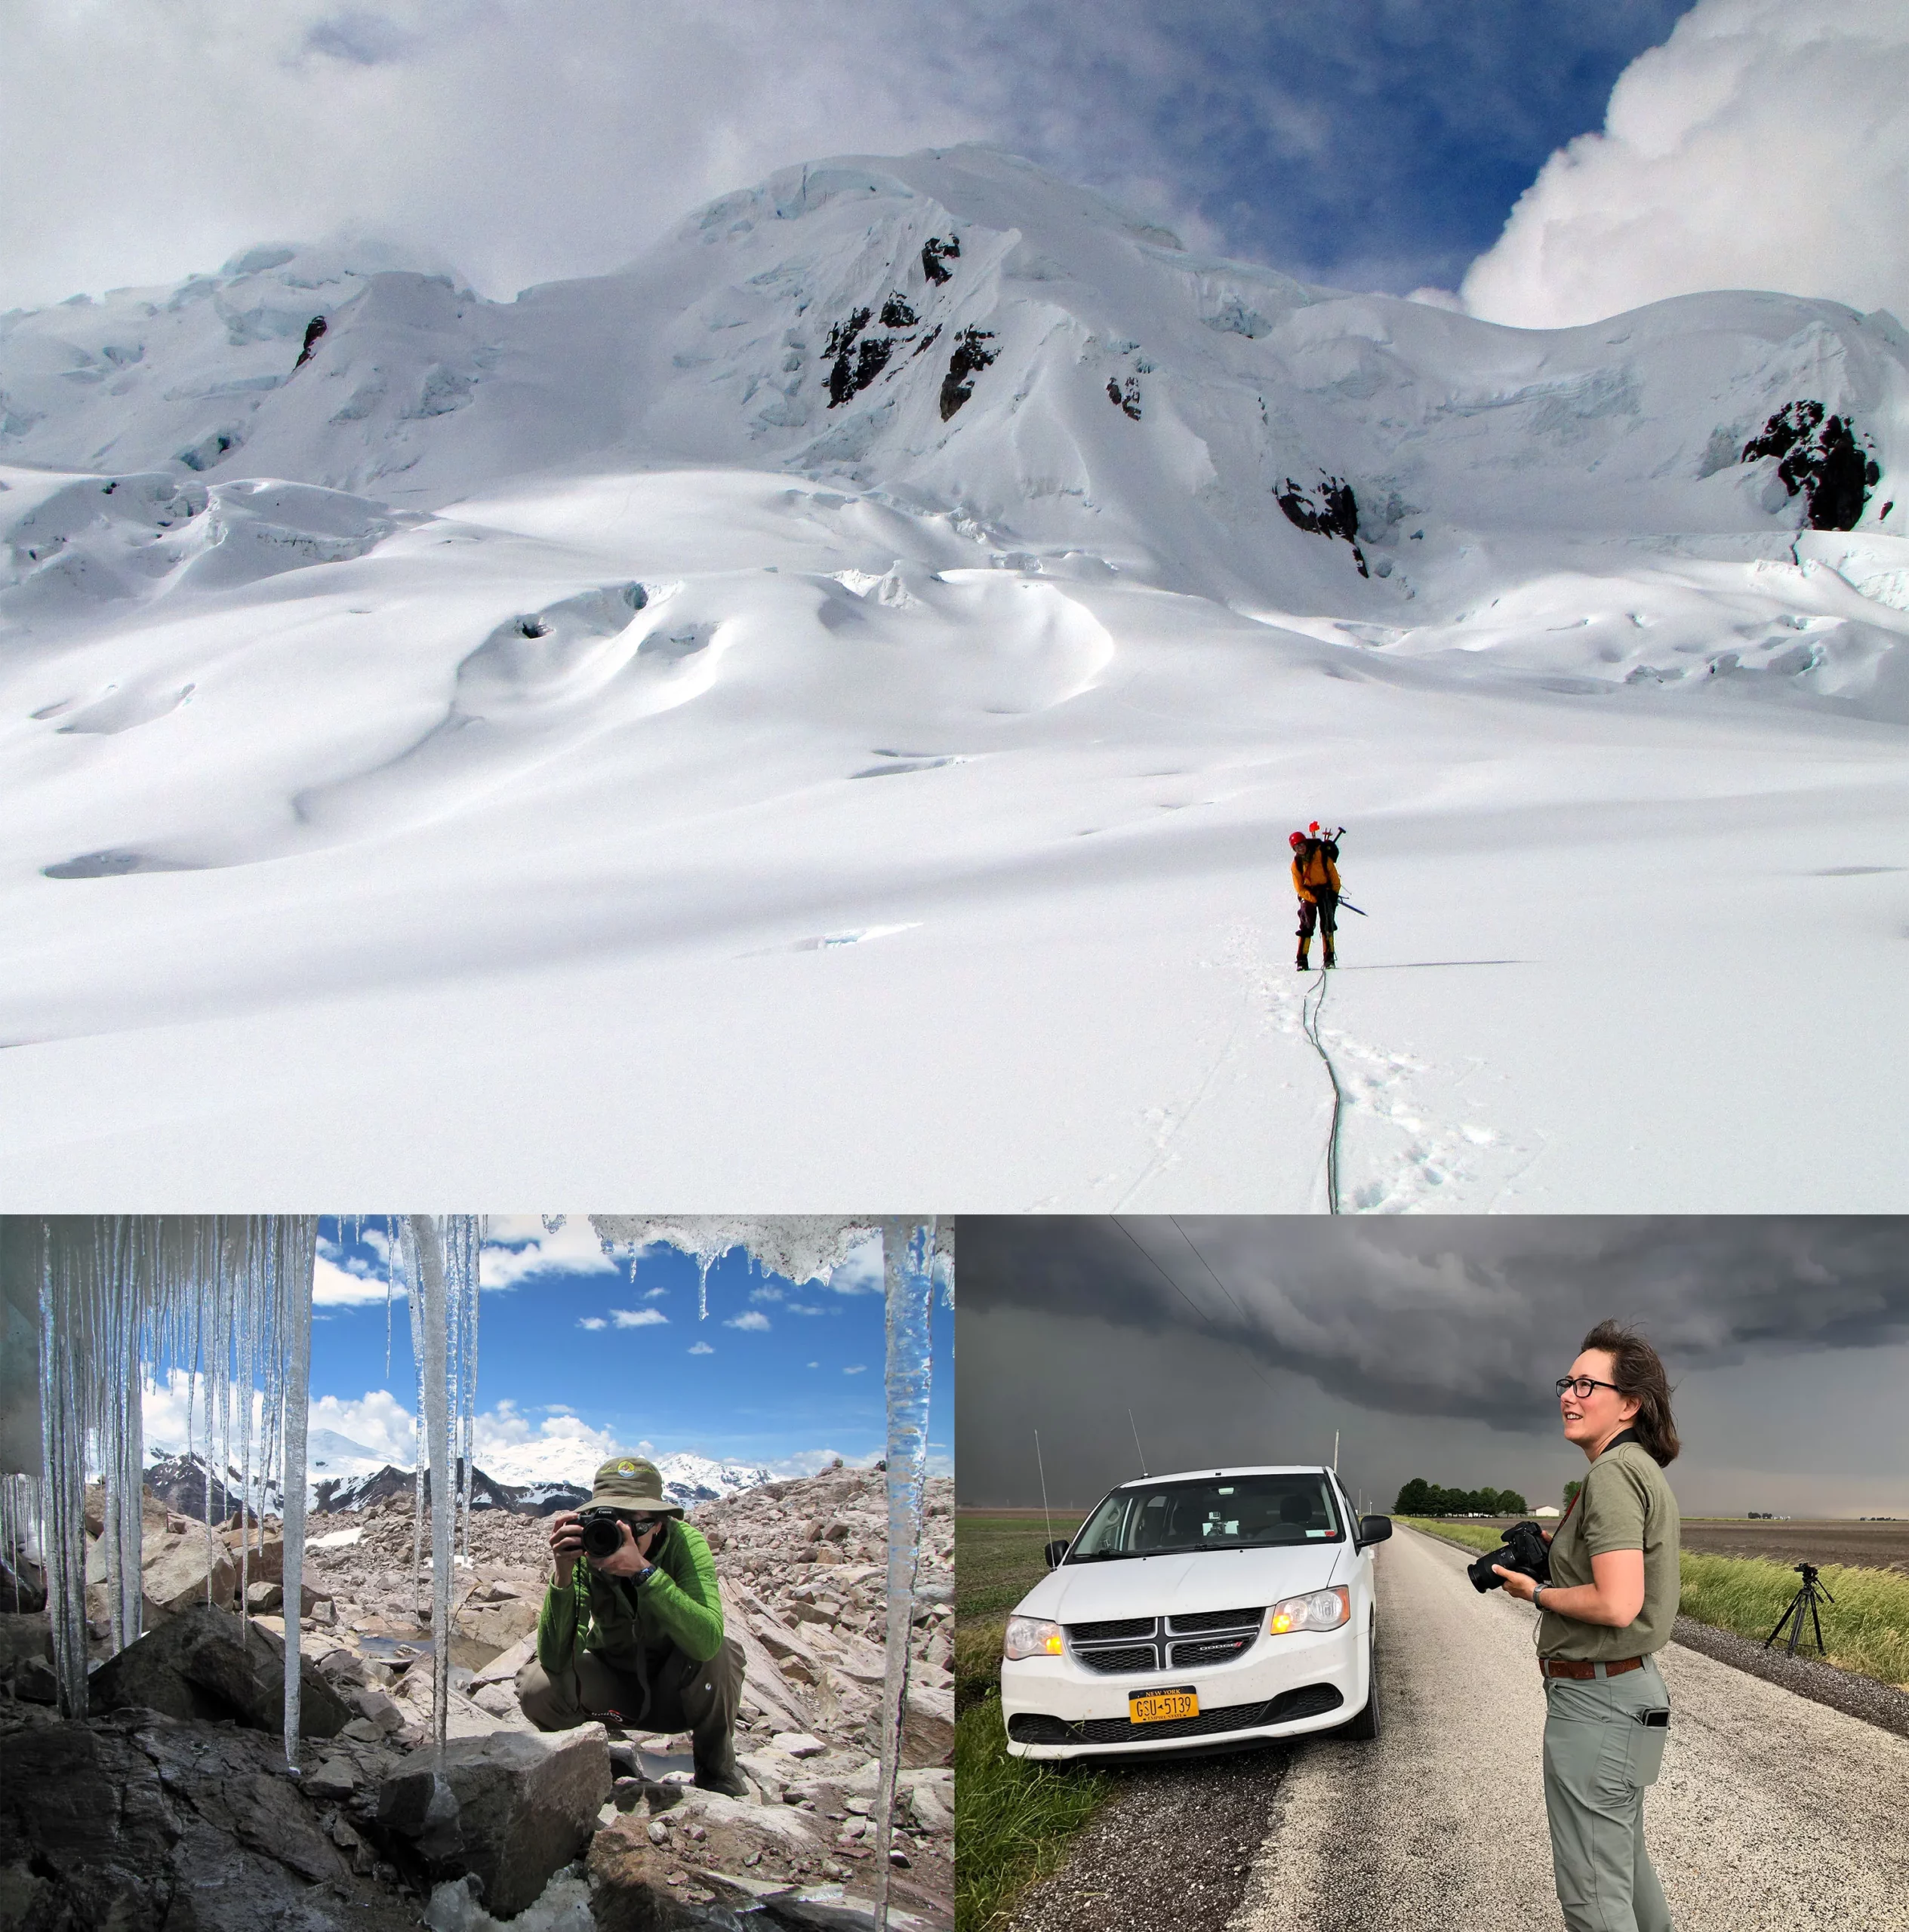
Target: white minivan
(1201, 1611)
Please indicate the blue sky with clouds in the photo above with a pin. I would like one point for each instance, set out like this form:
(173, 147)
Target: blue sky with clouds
(777, 1374)
(1596, 156)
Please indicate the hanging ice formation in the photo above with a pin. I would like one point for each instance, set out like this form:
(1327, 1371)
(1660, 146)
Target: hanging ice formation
(911, 1252)
(228, 1301)
(441, 1260)
(20, 1534)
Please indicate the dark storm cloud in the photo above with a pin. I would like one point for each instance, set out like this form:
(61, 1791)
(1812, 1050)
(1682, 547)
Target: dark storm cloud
(1470, 1318)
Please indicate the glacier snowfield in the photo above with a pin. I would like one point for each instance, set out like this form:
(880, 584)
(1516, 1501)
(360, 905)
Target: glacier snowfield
(635, 744)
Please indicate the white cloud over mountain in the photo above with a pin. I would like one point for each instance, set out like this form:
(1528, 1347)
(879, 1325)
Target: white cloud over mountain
(1764, 145)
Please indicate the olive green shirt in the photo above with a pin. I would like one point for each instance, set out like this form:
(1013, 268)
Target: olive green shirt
(675, 1605)
(1625, 1504)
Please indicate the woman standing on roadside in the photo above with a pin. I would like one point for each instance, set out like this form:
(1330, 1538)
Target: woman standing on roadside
(1606, 1612)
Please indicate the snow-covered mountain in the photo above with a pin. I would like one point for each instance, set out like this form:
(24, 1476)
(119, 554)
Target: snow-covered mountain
(970, 338)
(498, 675)
(537, 1483)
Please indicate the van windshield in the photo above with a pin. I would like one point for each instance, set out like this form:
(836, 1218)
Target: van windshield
(1216, 1512)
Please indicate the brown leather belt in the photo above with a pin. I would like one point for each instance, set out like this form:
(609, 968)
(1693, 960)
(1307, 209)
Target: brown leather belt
(1571, 1667)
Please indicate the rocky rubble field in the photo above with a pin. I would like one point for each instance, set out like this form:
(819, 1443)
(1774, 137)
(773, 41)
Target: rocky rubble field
(172, 1794)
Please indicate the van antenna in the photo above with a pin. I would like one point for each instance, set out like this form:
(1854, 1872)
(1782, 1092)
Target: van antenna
(1336, 1452)
(1042, 1467)
(1138, 1449)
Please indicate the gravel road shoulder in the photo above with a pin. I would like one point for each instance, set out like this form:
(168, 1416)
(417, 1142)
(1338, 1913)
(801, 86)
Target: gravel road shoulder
(1174, 1846)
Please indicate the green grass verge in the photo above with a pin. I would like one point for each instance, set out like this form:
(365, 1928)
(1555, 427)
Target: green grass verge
(1014, 1821)
(1866, 1629)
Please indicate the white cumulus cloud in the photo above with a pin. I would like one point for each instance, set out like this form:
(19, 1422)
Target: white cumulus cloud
(755, 1318)
(1764, 145)
(702, 1349)
(639, 1318)
(592, 1321)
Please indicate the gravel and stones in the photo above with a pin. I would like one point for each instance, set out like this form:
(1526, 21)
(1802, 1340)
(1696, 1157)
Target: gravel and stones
(1845, 1690)
(1174, 1846)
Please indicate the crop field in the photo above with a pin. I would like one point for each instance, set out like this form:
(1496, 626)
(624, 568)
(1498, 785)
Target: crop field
(1860, 1545)
(1014, 1820)
(1866, 1630)
(1879, 1545)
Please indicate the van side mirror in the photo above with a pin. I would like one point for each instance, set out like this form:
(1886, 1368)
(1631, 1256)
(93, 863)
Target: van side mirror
(1058, 1549)
(1373, 1529)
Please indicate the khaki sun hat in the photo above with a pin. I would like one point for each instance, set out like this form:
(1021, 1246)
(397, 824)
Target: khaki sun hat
(628, 1482)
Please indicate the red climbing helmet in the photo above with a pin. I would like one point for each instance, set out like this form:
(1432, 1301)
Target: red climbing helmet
(1297, 839)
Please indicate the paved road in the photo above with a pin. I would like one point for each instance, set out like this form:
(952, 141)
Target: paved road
(1772, 1812)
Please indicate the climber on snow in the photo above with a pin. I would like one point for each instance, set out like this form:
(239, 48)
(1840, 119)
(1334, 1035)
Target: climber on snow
(1315, 879)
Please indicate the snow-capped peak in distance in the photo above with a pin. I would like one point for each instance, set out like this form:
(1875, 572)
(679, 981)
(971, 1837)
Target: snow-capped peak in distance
(961, 331)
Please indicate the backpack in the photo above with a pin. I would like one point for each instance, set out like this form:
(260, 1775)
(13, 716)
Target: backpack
(1309, 849)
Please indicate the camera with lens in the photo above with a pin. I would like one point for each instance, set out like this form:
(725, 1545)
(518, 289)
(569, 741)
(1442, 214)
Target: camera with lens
(1524, 1550)
(602, 1530)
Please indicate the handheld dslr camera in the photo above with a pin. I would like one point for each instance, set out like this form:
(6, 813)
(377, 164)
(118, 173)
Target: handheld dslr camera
(1524, 1550)
(603, 1529)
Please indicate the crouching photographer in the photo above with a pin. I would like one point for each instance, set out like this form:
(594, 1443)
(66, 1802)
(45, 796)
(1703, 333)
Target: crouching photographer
(632, 1626)
(1605, 1612)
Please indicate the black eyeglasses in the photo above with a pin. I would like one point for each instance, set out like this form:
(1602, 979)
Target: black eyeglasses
(1581, 1386)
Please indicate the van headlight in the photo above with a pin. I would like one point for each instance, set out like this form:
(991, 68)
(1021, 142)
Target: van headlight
(1318, 1609)
(1031, 1637)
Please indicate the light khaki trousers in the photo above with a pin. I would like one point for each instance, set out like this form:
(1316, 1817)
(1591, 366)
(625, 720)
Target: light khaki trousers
(1600, 1759)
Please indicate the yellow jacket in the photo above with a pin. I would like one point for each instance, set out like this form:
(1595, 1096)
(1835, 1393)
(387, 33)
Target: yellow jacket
(1317, 871)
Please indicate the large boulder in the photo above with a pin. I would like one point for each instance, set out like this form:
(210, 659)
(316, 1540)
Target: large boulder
(134, 1822)
(206, 1664)
(500, 1625)
(512, 1808)
(176, 1569)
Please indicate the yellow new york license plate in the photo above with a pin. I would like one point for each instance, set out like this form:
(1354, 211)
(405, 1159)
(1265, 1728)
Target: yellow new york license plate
(1155, 1706)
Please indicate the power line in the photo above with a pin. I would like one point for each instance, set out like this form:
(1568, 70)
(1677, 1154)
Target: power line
(1188, 1299)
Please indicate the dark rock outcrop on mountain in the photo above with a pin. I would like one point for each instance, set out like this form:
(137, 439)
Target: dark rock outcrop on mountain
(179, 1482)
(969, 357)
(936, 253)
(360, 1492)
(1334, 511)
(1819, 455)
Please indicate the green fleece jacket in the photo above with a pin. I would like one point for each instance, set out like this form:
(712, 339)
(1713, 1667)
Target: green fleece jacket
(674, 1603)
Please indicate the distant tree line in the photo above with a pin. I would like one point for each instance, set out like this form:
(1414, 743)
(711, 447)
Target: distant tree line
(1420, 1498)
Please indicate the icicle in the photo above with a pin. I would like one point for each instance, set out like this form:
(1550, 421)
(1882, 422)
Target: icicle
(430, 1281)
(390, 1286)
(908, 1254)
(294, 1275)
(703, 1262)
(470, 1257)
(63, 1476)
(413, 1265)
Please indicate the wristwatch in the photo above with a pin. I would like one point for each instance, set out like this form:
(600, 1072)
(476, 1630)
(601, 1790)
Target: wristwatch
(1538, 1591)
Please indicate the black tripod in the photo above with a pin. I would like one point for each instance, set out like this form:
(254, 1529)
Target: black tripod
(1805, 1599)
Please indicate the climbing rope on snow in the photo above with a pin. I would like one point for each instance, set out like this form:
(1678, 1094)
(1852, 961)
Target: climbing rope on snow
(1309, 1012)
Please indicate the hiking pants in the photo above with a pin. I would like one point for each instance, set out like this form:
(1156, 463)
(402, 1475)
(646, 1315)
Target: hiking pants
(1598, 1760)
(684, 1695)
(1321, 910)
